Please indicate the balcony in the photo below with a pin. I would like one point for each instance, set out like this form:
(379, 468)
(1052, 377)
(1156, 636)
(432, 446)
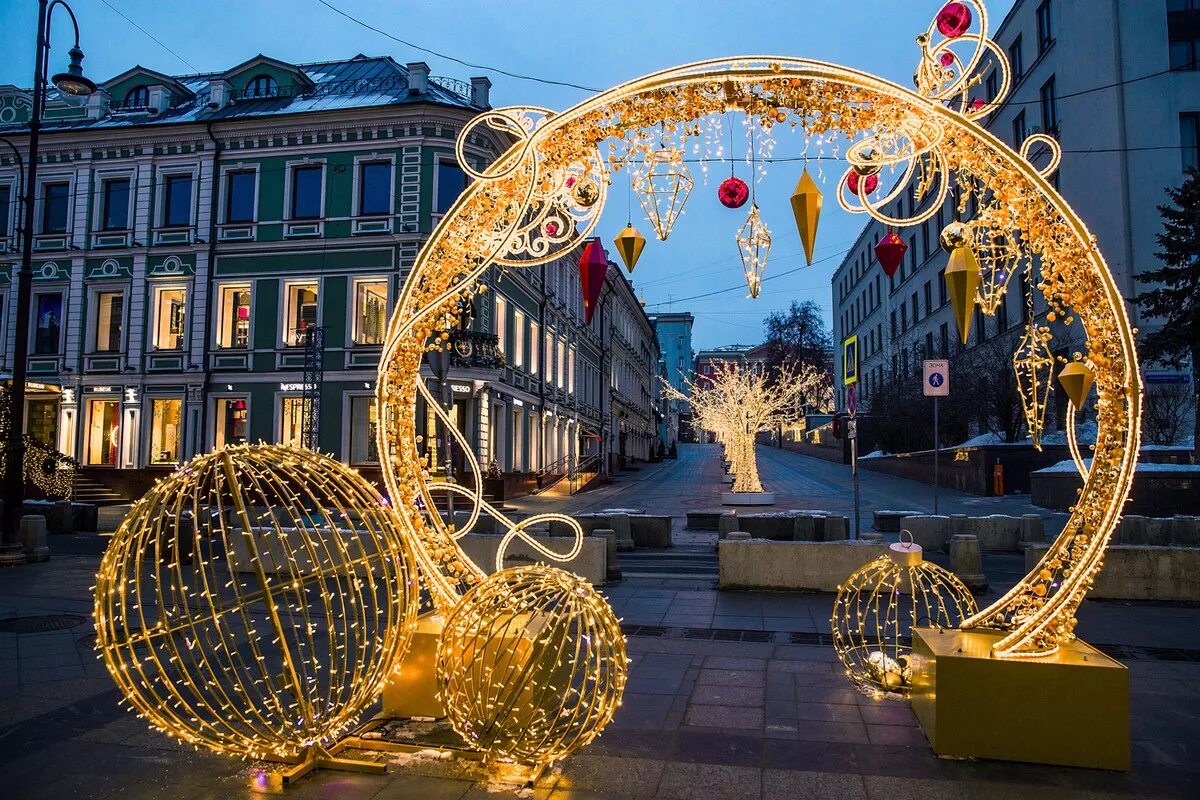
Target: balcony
(475, 350)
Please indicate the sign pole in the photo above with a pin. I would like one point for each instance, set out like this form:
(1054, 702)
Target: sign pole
(854, 469)
(935, 385)
(937, 451)
(850, 381)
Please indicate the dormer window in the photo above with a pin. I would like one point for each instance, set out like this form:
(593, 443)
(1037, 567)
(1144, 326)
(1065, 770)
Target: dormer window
(262, 86)
(138, 97)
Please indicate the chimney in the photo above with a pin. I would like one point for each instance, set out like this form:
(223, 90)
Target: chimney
(160, 99)
(98, 104)
(480, 90)
(418, 77)
(218, 93)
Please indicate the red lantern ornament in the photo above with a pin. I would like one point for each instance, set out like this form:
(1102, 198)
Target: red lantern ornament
(890, 252)
(869, 185)
(733, 192)
(593, 266)
(953, 20)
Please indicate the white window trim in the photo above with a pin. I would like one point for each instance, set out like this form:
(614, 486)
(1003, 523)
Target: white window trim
(60, 289)
(15, 201)
(520, 328)
(90, 337)
(211, 412)
(218, 290)
(102, 177)
(160, 193)
(352, 315)
(535, 346)
(148, 429)
(87, 427)
(356, 197)
(348, 399)
(157, 286)
(222, 200)
(500, 314)
(288, 187)
(39, 203)
(284, 329)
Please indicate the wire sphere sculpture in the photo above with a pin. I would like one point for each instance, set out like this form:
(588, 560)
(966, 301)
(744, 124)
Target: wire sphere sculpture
(877, 607)
(531, 665)
(253, 602)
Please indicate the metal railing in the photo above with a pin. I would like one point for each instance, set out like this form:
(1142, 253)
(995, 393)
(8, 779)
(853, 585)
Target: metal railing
(475, 350)
(584, 471)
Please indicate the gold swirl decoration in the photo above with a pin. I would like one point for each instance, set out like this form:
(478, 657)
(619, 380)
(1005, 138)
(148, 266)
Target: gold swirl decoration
(490, 223)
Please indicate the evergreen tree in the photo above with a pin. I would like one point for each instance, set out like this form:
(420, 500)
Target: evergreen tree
(1174, 297)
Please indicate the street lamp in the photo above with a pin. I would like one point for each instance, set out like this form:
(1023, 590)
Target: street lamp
(72, 83)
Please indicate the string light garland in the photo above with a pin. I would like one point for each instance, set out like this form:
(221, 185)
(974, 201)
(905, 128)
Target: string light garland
(253, 602)
(663, 186)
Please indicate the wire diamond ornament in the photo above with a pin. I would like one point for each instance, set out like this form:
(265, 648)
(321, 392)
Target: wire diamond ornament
(999, 257)
(1033, 364)
(754, 245)
(663, 186)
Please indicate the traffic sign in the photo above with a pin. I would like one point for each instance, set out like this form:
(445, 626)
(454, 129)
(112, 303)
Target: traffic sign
(852, 400)
(937, 378)
(851, 428)
(850, 361)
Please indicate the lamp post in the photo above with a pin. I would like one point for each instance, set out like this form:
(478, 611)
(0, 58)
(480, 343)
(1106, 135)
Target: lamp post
(73, 83)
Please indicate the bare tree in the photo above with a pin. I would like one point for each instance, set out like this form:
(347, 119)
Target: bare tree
(1167, 414)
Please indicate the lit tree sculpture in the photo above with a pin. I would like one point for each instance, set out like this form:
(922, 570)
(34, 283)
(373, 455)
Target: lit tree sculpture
(736, 403)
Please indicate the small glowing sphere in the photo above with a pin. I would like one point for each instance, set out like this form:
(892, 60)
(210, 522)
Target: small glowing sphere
(531, 665)
(954, 235)
(253, 602)
(878, 606)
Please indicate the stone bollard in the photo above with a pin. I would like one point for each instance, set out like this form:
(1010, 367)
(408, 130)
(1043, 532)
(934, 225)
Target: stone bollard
(1185, 531)
(620, 526)
(966, 561)
(738, 536)
(804, 528)
(460, 520)
(1033, 530)
(1133, 530)
(960, 525)
(62, 517)
(726, 524)
(33, 535)
(612, 567)
(837, 529)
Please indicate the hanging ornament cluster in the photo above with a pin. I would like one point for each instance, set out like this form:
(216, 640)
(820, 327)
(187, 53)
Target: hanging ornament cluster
(663, 187)
(733, 192)
(629, 244)
(962, 283)
(1033, 364)
(890, 252)
(593, 266)
(754, 244)
(806, 208)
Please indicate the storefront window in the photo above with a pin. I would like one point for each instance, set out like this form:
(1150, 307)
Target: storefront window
(233, 313)
(165, 425)
(41, 420)
(103, 432)
(291, 421)
(170, 306)
(110, 312)
(300, 312)
(370, 311)
(231, 421)
(48, 324)
(363, 424)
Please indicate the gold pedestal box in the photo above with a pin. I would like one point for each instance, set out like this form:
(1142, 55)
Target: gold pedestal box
(1068, 709)
(411, 689)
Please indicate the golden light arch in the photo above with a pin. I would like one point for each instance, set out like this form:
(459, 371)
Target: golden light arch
(521, 212)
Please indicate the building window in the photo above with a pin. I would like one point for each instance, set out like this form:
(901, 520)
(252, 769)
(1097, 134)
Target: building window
(1023, 283)
(166, 415)
(1019, 130)
(928, 298)
(48, 324)
(170, 310)
(1044, 30)
(1002, 315)
(451, 180)
(535, 346)
(1016, 60)
(5, 210)
(364, 423)
(307, 183)
(41, 421)
(518, 354)
(571, 370)
(231, 418)
(980, 327)
(177, 201)
(941, 282)
(233, 315)
(103, 432)
(375, 188)
(1049, 107)
(561, 374)
(262, 86)
(291, 421)
(110, 313)
(370, 311)
(1189, 140)
(138, 97)
(114, 206)
(299, 312)
(502, 325)
(989, 86)
(239, 195)
(916, 308)
(56, 201)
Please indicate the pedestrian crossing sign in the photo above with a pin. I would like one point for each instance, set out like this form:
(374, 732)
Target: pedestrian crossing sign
(850, 361)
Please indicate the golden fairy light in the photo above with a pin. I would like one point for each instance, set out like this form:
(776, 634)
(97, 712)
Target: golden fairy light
(253, 602)
(1033, 364)
(663, 186)
(877, 607)
(531, 665)
(754, 245)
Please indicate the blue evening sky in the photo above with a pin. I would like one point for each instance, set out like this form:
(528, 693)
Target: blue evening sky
(592, 44)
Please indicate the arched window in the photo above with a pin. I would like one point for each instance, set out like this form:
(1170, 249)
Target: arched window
(138, 97)
(262, 86)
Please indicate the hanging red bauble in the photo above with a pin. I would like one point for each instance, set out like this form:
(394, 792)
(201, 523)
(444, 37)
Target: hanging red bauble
(733, 192)
(593, 266)
(977, 104)
(890, 252)
(953, 20)
(869, 185)
(947, 59)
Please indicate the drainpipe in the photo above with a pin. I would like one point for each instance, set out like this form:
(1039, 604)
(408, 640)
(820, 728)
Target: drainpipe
(1123, 151)
(214, 195)
(542, 371)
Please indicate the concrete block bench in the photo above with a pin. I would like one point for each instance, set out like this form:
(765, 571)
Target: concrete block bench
(792, 566)
(650, 530)
(890, 521)
(703, 520)
(591, 564)
(1141, 572)
(997, 533)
